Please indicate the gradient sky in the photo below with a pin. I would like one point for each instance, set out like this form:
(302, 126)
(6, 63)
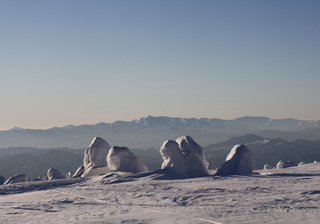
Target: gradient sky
(85, 62)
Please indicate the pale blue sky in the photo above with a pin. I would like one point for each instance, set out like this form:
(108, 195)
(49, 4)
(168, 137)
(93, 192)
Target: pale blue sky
(85, 62)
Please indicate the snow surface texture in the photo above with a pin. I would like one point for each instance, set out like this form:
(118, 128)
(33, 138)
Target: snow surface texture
(173, 159)
(238, 162)
(197, 164)
(94, 161)
(121, 159)
(288, 195)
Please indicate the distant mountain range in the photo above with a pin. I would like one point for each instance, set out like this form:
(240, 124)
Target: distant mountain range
(153, 131)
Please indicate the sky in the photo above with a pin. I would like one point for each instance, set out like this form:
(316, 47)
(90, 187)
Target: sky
(85, 62)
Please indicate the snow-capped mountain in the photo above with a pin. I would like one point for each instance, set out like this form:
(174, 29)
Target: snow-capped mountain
(153, 131)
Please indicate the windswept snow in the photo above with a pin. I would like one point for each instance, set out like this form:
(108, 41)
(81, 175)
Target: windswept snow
(288, 195)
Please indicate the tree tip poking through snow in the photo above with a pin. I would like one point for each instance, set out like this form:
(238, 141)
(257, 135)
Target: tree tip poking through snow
(173, 159)
(197, 165)
(17, 179)
(121, 159)
(238, 162)
(54, 174)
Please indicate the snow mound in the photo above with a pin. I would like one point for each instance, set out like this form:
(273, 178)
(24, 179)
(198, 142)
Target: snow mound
(238, 162)
(173, 159)
(197, 165)
(17, 179)
(54, 174)
(121, 159)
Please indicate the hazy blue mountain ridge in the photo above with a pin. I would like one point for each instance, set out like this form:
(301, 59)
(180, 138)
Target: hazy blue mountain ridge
(153, 131)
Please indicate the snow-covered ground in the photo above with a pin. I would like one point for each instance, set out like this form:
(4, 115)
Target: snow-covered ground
(290, 195)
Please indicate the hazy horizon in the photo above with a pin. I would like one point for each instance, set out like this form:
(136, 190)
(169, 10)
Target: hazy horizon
(86, 62)
(44, 128)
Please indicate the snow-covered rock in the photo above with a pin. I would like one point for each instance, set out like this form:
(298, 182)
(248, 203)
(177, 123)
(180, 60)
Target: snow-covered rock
(238, 162)
(95, 158)
(121, 159)
(173, 159)
(2, 180)
(197, 164)
(17, 179)
(54, 174)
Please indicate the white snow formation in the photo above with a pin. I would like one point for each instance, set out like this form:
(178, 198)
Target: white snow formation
(78, 172)
(96, 154)
(121, 159)
(17, 179)
(95, 158)
(238, 162)
(54, 174)
(69, 175)
(173, 159)
(285, 164)
(267, 167)
(197, 164)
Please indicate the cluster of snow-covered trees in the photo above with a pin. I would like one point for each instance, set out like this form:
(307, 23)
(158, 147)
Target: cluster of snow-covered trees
(183, 158)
